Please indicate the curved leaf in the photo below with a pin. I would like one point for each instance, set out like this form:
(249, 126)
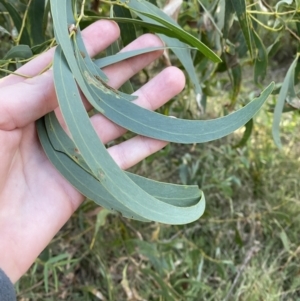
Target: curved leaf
(102, 166)
(284, 92)
(261, 60)
(128, 33)
(154, 125)
(170, 193)
(19, 51)
(240, 9)
(151, 124)
(25, 39)
(35, 21)
(84, 160)
(151, 12)
(247, 134)
(100, 162)
(121, 56)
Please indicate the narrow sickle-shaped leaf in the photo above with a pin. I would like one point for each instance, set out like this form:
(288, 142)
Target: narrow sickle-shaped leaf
(35, 19)
(93, 151)
(25, 39)
(151, 124)
(176, 42)
(96, 156)
(152, 12)
(148, 123)
(100, 162)
(84, 182)
(240, 9)
(281, 101)
(261, 60)
(121, 56)
(128, 33)
(180, 195)
(19, 51)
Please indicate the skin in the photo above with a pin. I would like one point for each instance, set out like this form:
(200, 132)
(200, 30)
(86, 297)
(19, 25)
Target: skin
(35, 200)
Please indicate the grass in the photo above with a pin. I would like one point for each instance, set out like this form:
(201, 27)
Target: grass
(245, 247)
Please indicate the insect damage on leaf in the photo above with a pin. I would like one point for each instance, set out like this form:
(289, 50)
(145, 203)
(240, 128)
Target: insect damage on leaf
(100, 84)
(105, 84)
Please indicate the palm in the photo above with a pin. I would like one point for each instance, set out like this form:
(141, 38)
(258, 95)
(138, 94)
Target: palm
(32, 193)
(30, 182)
(35, 200)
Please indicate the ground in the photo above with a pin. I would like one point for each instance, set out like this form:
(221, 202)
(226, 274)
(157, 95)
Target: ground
(245, 246)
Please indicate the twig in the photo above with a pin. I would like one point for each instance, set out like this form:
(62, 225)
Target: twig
(248, 257)
(23, 23)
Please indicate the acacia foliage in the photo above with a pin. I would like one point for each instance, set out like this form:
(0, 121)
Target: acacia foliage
(234, 31)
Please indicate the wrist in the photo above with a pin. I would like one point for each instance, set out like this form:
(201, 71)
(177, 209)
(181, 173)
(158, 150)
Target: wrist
(7, 291)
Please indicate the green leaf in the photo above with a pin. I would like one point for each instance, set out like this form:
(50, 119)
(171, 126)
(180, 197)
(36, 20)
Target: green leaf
(286, 90)
(151, 124)
(184, 55)
(25, 39)
(157, 28)
(85, 161)
(172, 39)
(35, 21)
(285, 240)
(84, 182)
(154, 125)
(100, 222)
(246, 135)
(98, 75)
(169, 193)
(121, 56)
(46, 16)
(280, 3)
(229, 17)
(100, 162)
(37, 49)
(261, 60)
(3, 31)
(128, 33)
(145, 9)
(236, 71)
(292, 97)
(92, 150)
(58, 145)
(19, 51)
(274, 47)
(112, 50)
(152, 14)
(240, 9)
(167, 292)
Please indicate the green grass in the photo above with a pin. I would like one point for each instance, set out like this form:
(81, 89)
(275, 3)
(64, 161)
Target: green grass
(245, 247)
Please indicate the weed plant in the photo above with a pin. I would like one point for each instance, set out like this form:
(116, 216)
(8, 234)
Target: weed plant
(245, 247)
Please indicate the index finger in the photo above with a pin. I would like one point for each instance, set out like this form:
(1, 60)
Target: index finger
(97, 37)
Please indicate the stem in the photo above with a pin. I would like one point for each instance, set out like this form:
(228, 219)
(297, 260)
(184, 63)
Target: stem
(51, 63)
(265, 26)
(292, 33)
(15, 73)
(46, 68)
(23, 23)
(81, 13)
(253, 4)
(211, 19)
(271, 13)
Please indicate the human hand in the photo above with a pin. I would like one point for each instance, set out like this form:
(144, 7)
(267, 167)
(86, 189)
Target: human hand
(35, 200)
